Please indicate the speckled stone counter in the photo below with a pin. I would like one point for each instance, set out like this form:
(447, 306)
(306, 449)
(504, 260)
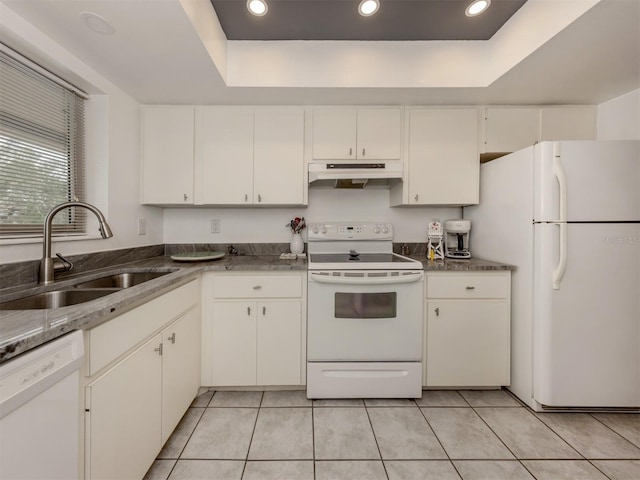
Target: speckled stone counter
(470, 265)
(21, 330)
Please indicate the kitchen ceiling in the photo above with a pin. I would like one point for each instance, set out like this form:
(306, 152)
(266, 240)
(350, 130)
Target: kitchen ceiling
(396, 20)
(175, 52)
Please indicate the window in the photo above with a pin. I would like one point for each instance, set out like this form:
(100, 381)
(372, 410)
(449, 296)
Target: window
(41, 149)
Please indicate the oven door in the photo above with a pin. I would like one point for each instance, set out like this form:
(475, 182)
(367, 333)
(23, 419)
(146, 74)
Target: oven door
(365, 316)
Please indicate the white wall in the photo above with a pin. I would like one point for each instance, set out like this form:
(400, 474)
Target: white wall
(113, 144)
(619, 118)
(259, 225)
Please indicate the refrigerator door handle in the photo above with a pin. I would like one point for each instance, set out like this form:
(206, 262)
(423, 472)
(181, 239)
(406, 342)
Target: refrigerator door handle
(558, 172)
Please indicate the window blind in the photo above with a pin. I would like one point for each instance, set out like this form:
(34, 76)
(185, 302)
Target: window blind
(42, 151)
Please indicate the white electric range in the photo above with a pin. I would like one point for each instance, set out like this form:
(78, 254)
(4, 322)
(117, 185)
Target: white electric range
(365, 314)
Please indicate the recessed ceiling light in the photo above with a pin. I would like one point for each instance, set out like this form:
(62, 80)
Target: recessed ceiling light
(368, 7)
(98, 24)
(257, 7)
(477, 7)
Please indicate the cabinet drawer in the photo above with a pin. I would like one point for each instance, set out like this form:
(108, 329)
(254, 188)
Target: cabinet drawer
(257, 286)
(468, 286)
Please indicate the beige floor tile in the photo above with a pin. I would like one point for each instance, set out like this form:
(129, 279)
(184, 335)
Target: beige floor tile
(286, 398)
(203, 398)
(282, 434)
(489, 398)
(464, 435)
(492, 470)
(350, 470)
(222, 433)
(563, 470)
(207, 470)
(625, 424)
(420, 469)
(441, 398)
(525, 435)
(236, 399)
(160, 470)
(278, 470)
(589, 436)
(343, 433)
(403, 434)
(178, 439)
(619, 469)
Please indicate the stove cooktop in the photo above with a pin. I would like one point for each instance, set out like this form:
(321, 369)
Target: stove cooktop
(357, 258)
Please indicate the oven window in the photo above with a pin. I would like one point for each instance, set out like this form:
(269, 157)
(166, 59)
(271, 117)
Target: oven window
(365, 305)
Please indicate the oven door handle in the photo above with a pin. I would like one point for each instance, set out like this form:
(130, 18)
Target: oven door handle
(388, 280)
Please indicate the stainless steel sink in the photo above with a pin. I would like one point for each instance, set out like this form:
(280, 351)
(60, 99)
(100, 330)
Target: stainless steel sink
(57, 298)
(121, 280)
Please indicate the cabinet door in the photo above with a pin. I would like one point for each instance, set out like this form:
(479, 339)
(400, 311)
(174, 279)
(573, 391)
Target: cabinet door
(568, 123)
(279, 342)
(167, 155)
(278, 164)
(443, 156)
(334, 133)
(511, 129)
(180, 369)
(379, 133)
(234, 343)
(467, 343)
(224, 155)
(123, 417)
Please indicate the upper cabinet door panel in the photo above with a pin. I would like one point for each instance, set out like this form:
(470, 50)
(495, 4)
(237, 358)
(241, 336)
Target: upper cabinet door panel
(278, 156)
(224, 155)
(167, 155)
(334, 133)
(379, 133)
(511, 129)
(568, 123)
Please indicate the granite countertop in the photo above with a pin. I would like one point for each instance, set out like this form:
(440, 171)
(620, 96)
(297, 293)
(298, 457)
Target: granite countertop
(21, 330)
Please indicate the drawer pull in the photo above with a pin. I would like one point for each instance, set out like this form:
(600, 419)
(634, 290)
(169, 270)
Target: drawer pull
(158, 349)
(248, 310)
(470, 287)
(437, 310)
(172, 338)
(264, 310)
(257, 287)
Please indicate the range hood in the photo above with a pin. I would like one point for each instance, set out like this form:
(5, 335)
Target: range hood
(354, 174)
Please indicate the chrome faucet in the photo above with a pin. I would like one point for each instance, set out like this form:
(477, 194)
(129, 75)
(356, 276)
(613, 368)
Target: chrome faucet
(48, 265)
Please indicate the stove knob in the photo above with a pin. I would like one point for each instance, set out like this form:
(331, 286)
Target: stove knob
(385, 229)
(315, 229)
(376, 229)
(323, 230)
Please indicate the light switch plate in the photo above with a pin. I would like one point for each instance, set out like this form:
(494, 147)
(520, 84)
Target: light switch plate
(142, 226)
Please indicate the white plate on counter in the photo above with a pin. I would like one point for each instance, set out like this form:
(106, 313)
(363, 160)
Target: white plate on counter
(197, 256)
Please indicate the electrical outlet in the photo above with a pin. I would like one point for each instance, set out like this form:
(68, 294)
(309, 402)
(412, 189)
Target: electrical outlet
(142, 226)
(215, 225)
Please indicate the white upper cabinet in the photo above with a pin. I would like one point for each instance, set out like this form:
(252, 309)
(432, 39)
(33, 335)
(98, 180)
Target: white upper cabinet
(347, 133)
(510, 129)
(167, 155)
(224, 155)
(443, 163)
(249, 156)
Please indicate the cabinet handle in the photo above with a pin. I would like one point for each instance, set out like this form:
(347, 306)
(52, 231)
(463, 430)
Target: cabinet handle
(259, 198)
(350, 151)
(264, 310)
(470, 287)
(437, 310)
(246, 197)
(416, 197)
(172, 338)
(257, 287)
(248, 310)
(158, 349)
(186, 197)
(363, 152)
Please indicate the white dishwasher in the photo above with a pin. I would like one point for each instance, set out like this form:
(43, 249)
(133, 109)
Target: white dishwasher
(40, 411)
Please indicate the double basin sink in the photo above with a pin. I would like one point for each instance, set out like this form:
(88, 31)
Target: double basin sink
(81, 292)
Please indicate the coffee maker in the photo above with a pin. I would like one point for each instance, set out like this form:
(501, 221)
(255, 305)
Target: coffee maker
(456, 238)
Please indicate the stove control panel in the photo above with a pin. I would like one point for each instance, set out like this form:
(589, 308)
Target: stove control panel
(350, 231)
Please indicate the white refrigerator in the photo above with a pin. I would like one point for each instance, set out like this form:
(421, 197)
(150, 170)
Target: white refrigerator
(567, 215)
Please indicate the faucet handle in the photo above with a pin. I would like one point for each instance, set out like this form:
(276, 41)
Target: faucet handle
(65, 264)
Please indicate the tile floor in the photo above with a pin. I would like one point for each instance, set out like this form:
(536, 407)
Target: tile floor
(464, 434)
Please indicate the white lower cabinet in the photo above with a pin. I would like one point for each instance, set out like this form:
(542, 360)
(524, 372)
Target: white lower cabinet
(253, 329)
(133, 405)
(467, 329)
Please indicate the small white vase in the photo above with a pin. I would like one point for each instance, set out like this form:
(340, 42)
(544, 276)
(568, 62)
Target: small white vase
(296, 245)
